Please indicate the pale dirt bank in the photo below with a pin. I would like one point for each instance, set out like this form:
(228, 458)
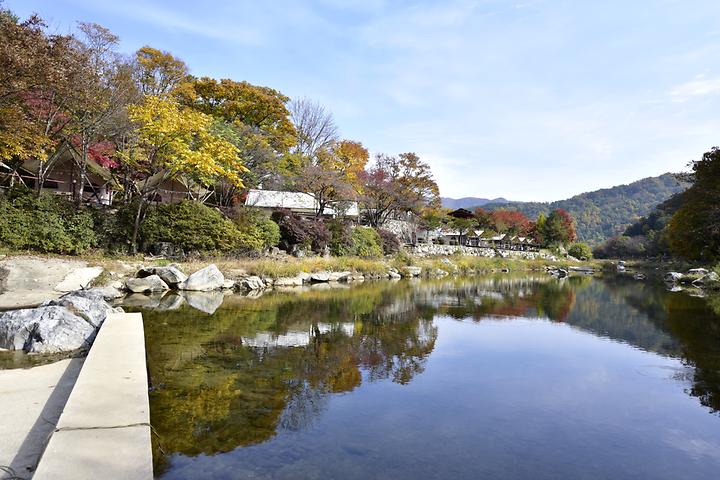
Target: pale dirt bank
(27, 281)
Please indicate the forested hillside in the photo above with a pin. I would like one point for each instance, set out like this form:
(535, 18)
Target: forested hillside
(608, 212)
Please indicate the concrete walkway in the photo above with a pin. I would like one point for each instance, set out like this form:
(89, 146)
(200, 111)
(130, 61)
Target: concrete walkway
(104, 430)
(31, 401)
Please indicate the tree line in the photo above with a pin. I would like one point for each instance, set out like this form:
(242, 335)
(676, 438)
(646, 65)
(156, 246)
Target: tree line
(147, 120)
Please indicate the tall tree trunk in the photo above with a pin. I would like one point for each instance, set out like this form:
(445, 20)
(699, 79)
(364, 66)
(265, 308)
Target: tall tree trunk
(136, 226)
(83, 168)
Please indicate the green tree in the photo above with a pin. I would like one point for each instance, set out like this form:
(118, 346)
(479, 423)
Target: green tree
(694, 229)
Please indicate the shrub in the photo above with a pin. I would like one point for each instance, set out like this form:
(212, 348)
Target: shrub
(581, 251)
(366, 242)
(256, 231)
(191, 226)
(48, 223)
(298, 231)
(389, 241)
(341, 241)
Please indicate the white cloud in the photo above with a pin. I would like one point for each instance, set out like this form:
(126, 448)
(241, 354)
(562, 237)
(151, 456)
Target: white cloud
(700, 86)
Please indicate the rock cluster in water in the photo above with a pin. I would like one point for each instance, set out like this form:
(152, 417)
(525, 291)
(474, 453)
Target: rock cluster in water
(63, 325)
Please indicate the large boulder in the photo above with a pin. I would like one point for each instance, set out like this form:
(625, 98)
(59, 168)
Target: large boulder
(46, 329)
(87, 304)
(171, 274)
(150, 284)
(206, 279)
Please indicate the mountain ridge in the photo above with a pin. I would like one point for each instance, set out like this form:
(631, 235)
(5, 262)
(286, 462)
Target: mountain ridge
(606, 212)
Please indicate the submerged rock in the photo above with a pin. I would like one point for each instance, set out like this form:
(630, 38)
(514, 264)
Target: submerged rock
(153, 283)
(206, 279)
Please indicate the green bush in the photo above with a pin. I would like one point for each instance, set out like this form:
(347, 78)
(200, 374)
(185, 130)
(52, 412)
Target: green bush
(341, 241)
(580, 251)
(48, 223)
(191, 226)
(366, 242)
(256, 231)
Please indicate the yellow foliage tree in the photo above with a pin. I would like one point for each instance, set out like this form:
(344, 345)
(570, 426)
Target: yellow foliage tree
(173, 142)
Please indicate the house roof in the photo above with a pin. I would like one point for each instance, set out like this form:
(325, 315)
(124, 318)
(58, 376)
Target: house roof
(298, 201)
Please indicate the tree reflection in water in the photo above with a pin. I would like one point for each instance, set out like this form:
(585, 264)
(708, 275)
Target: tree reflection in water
(260, 366)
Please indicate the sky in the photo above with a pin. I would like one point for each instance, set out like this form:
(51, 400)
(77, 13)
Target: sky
(525, 99)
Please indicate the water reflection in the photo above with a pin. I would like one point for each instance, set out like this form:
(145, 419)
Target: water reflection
(251, 368)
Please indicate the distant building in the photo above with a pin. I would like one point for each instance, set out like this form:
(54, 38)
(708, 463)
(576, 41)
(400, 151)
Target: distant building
(63, 175)
(298, 202)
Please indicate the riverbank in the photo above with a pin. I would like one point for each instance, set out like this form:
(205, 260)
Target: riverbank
(31, 279)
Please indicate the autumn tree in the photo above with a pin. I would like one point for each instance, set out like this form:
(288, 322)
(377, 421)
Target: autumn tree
(173, 142)
(694, 229)
(33, 70)
(103, 84)
(397, 184)
(159, 73)
(262, 109)
(510, 221)
(559, 228)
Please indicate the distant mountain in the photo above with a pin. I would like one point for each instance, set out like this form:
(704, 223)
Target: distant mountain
(608, 212)
(469, 202)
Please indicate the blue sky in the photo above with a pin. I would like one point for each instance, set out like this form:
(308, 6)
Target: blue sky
(526, 99)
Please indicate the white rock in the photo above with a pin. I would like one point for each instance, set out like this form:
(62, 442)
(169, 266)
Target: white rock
(339, 276)
(320, 277)
(153, 283)
(208, 278)
(289, 281)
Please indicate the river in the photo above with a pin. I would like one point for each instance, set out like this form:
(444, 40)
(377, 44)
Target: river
(502, 377)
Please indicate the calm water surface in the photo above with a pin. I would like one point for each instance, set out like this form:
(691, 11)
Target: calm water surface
(496, 377)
